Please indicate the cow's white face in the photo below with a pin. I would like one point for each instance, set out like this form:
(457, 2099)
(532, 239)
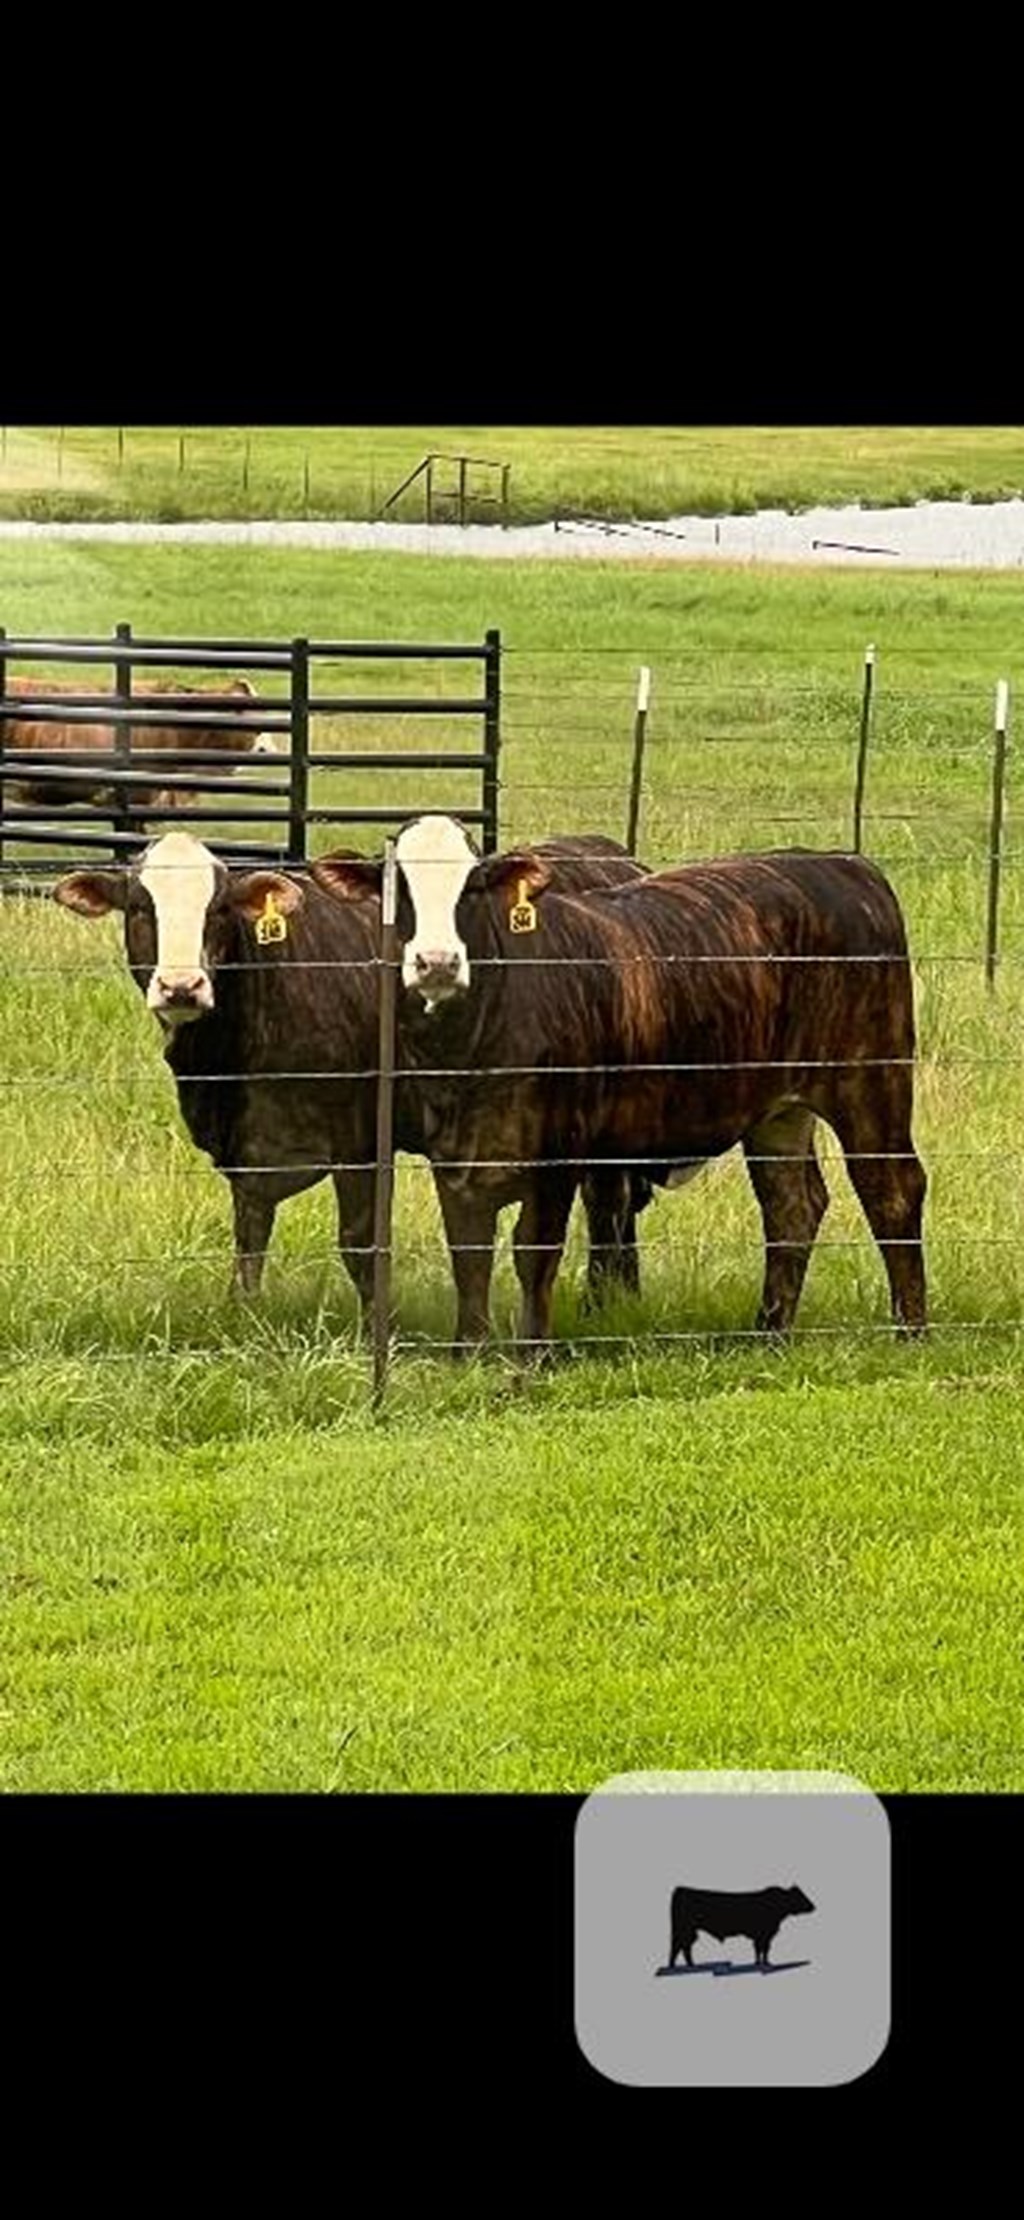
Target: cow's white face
(436, 860)
(180, 877)
(445, 892)
(181, 907)
(264, 744)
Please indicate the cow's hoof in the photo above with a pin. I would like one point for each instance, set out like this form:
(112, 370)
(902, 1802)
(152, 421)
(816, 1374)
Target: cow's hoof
(773, 1332)
(464, 1352)
(539, 1356)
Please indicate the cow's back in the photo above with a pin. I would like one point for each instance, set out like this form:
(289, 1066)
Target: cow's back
(582, 860)
(793, 901)
(724, 1912)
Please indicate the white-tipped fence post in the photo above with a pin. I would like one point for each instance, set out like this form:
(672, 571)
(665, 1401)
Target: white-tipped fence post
(995, 839)
(643, 696)
(384, 1185)
(862, 749)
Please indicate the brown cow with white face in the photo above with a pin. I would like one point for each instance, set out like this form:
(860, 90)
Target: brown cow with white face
(441, 860)
(39, 736)
(269, 1085)
(655, 1024)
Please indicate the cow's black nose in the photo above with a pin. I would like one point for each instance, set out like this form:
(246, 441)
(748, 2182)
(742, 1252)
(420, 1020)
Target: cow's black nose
(180, 997)
(436, 962)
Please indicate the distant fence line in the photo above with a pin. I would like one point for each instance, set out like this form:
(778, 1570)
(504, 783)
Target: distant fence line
(453, 486)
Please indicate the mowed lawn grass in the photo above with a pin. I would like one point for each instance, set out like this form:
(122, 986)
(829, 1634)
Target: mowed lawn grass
(525, 1600)
(619, 470)
(219, 1571)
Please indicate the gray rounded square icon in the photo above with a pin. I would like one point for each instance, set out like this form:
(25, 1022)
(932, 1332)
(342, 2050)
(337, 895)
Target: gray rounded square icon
(732, 1929)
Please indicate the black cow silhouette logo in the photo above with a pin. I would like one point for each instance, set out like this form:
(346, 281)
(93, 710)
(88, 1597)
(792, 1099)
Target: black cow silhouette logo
(723, 1912)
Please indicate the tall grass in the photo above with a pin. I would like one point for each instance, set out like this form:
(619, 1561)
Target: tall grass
(171, 472)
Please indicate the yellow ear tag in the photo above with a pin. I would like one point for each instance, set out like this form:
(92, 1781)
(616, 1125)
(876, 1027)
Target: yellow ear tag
(522, 917)
(271, 924)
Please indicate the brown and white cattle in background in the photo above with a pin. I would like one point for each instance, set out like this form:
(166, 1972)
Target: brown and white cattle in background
(41, 735)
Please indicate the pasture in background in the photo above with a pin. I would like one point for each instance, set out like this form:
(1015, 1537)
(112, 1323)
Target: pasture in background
(193, 471)
(219, 1573)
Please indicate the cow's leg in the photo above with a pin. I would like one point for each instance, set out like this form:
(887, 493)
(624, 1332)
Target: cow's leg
(538, 1242)
(786, 1178)
(684, 1942)
(891, 1183)
(611, 1224)
(255, 1208)
(354, 1193)
(470, 1223)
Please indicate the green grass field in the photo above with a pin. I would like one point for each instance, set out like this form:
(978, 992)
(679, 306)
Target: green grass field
(351, 471)
(219, 1571)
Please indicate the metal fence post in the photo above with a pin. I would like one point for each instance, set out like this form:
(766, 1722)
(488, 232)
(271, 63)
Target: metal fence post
(862, 749)
(995, 842)
(384, 1183)
(492, 738)
(643, 695)
(122, 740)
(299, 744)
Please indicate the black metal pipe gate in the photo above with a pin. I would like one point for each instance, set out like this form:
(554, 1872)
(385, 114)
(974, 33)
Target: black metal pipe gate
(127, 767)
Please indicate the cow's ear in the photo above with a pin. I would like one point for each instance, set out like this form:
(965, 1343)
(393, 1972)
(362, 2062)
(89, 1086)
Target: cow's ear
(349, 877)
(248, 893)
(92, 893)
(520, 868)
(242, 686)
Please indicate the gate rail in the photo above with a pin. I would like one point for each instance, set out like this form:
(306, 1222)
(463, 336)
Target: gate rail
(125, 769)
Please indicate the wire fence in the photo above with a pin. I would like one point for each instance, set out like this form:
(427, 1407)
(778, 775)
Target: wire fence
(165, 474)
(565, 772)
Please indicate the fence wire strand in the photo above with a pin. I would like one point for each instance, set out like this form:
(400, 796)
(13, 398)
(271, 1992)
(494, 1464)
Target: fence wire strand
(691, 714)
